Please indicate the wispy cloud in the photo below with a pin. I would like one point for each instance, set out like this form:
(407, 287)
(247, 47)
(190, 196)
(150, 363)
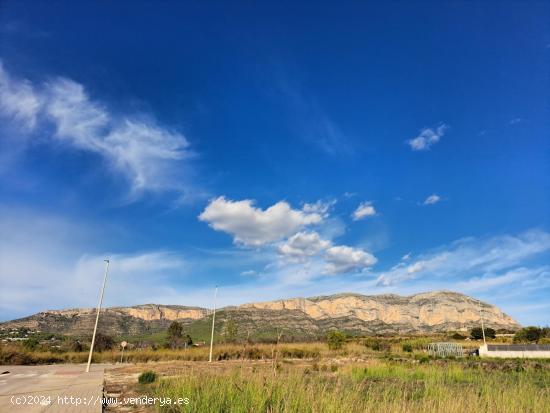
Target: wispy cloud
(51, 262)
(152, 157)
(18, 99)
(540, 276)
(432, 199)
(471, 255)
(427, 138)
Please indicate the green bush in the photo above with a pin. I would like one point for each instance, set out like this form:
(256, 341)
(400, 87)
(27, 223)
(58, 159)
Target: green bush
(528, 334)
(335, 340)
(407, 347)
(147, 377)
(31, 343)
(477, 333)
(424, 359)
(458, 336)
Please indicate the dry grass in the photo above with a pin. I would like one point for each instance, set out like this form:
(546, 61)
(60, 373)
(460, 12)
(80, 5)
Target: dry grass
(364, 348)
(17, 355)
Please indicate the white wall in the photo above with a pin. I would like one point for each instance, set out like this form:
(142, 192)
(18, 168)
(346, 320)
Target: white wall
(483, 352)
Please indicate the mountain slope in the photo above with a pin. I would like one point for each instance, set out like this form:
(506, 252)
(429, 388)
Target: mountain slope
(299, 317)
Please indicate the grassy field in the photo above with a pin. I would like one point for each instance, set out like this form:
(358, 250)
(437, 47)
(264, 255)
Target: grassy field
(336, 385)
(369, 375)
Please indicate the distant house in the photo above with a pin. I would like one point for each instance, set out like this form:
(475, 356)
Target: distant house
(515, 350)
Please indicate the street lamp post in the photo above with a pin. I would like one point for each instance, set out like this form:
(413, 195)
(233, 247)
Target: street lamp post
(482, 326)
(213, 320)
(97, 315)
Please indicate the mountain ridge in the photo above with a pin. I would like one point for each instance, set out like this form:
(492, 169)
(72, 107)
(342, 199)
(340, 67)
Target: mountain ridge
(425, 312)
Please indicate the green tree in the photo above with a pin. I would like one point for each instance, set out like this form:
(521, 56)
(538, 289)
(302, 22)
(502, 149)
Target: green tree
(175, 333)
(335, 340)
(528, 334)
(477, 333)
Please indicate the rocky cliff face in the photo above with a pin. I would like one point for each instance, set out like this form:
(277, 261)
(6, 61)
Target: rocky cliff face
(305, 317)
(432, 311)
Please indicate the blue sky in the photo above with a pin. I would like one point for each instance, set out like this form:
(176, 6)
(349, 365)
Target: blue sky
(276, 150)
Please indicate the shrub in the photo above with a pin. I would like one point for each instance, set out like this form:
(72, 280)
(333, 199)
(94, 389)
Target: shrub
(147, 377)
(74, 345)
(528, 334)
(458, 336)
(477, 333)
(30, 344)
(407, 347)
(424, 359)
(335, 340)
(377, 345)
(103, 342)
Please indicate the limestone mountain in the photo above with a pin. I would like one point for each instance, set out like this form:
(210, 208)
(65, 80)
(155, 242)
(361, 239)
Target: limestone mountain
(299, 318)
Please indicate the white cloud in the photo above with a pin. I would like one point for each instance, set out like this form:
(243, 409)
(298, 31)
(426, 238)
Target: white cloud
(253, 226)
(344, 259)
(302, 245)
(147, 154)
(427, 138)
(365, 209)
(248, 273)
(521, 275)
(77, 119)
(406, 257)
(483, 256)
(432, 199)
(319, 207)
(18, 99)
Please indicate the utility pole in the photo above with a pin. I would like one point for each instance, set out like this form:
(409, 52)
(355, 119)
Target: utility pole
(213, 321)
(97, 315)
(482, 326)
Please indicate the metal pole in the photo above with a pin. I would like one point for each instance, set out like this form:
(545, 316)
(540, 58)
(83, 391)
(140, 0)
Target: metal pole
(213, 320)
(97, 315)
(482, 326)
